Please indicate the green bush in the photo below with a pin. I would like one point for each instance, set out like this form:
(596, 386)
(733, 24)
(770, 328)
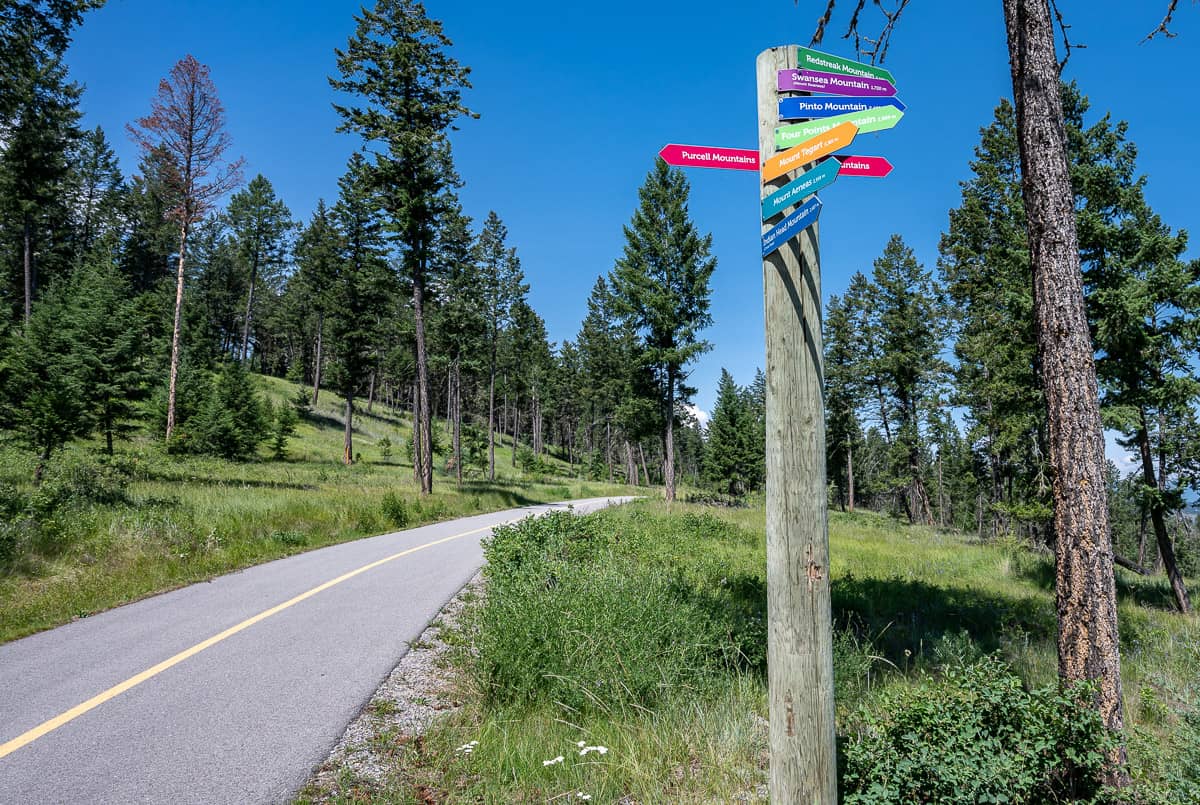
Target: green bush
(231, 421)
(395, 510)
(975, 735)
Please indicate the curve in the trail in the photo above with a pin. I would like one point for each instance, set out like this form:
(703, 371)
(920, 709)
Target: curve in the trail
(230, 690)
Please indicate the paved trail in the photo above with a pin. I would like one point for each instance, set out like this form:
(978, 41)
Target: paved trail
(228, 691)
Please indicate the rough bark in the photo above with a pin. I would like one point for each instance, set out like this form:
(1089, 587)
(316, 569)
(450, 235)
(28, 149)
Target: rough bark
(492, 420)
(426, 421)
(1085, 590)
(458, 423)
(174, 371)
(850, 474)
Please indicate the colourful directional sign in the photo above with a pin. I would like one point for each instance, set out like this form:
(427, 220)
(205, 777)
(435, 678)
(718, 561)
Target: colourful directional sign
(795, 191)
(809, 59)
(872, 167)
(811, 150)
(833, 83)
(866, 122)
(805, 216)
(810, 106)
(707, 156)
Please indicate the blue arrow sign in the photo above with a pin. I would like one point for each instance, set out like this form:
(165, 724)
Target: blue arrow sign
(801, 108)
(804, 216)
(803, 185)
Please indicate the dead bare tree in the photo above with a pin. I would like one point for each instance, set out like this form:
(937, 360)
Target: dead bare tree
(185, 130)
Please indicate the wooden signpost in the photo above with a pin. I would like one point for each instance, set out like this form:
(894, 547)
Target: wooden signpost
(799, 617)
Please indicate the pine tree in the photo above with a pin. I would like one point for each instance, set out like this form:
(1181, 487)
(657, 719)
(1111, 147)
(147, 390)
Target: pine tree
(34, 171)
(359, 291)
(260, 224)
(730, 455)
(660, 286)
(502, 286)
(96, 192)
(843, 392)
(318, 252)
(397, 64)
(460, 325)
(911, 320)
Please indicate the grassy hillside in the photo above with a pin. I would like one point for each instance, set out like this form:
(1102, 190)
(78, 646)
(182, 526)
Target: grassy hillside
(108, 531)
(643, 630)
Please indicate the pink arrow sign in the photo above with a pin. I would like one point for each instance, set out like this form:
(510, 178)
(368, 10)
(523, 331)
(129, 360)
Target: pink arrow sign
(708, 156)
(872, 167)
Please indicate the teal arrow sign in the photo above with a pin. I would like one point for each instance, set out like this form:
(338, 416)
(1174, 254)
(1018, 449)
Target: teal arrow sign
(867, 121)
(809, 59)
(803, 185)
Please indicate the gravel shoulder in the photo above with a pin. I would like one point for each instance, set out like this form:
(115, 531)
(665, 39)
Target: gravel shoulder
(418, 691)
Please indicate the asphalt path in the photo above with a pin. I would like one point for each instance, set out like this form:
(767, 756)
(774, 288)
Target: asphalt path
(228, 691)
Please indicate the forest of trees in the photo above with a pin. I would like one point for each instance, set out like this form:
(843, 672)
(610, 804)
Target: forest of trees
(146, 299)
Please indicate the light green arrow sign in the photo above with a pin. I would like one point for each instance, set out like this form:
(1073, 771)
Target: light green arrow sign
(867, 121)
(808, 59)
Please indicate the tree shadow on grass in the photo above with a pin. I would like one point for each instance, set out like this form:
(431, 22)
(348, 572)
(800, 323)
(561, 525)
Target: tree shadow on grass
(898, 615)
(893, 616)
(1148, 591)
(508, 495)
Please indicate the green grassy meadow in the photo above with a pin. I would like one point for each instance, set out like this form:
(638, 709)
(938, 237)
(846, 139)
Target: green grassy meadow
(178, 519)
(654, 647)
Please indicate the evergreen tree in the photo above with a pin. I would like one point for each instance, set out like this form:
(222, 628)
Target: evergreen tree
(660, 286)
(397, 64)
(97, 192)
(259, 224)
(319, 251)
(359, 291)
(503, 285)
(34, 170)
(730, 457)
(843, 391)
(232, 421)
(910, 319)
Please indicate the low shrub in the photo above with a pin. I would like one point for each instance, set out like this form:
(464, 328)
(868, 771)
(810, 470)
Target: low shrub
(395, 510)
(974, 734)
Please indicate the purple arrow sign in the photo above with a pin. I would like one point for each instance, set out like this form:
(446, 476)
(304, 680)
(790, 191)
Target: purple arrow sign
(794, 80)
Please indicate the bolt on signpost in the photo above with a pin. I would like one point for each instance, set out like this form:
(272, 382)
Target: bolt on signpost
(859, 98)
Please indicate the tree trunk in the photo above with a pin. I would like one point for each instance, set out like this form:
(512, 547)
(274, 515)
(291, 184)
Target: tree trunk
(174, 371)
(492, 420)
(27, 241)
(317, 367)
(458, 423)
(348, 442)
(608, 456)
(1085, 590)
(371, 392)
(40, 470)
(249, 308)
(669, 444)
(426, 423)
(1166, 550)
(645, 469)
(850, 473)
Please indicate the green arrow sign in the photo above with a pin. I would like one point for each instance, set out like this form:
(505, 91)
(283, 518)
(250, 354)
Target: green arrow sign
(808, 59)
(867, 121)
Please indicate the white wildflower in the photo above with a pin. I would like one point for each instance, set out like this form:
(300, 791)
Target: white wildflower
(581, 744)
(583, 796)
(601, 749)
(558, 759)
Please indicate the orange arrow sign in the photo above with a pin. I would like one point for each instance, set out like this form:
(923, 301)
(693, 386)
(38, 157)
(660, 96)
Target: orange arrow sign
(809, 151)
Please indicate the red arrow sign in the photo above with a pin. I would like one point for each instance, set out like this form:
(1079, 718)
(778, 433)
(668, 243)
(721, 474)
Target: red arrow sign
(707, 156)
(873, 167)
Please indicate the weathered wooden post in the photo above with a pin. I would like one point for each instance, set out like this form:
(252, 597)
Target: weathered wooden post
(800, 631)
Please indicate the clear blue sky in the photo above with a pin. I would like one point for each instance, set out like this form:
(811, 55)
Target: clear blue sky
(576, 100)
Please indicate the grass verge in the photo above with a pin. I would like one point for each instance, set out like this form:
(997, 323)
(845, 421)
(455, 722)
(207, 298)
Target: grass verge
(641, 629)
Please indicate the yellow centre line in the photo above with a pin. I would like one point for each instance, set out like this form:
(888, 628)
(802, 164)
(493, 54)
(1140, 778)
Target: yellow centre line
(133, 681)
